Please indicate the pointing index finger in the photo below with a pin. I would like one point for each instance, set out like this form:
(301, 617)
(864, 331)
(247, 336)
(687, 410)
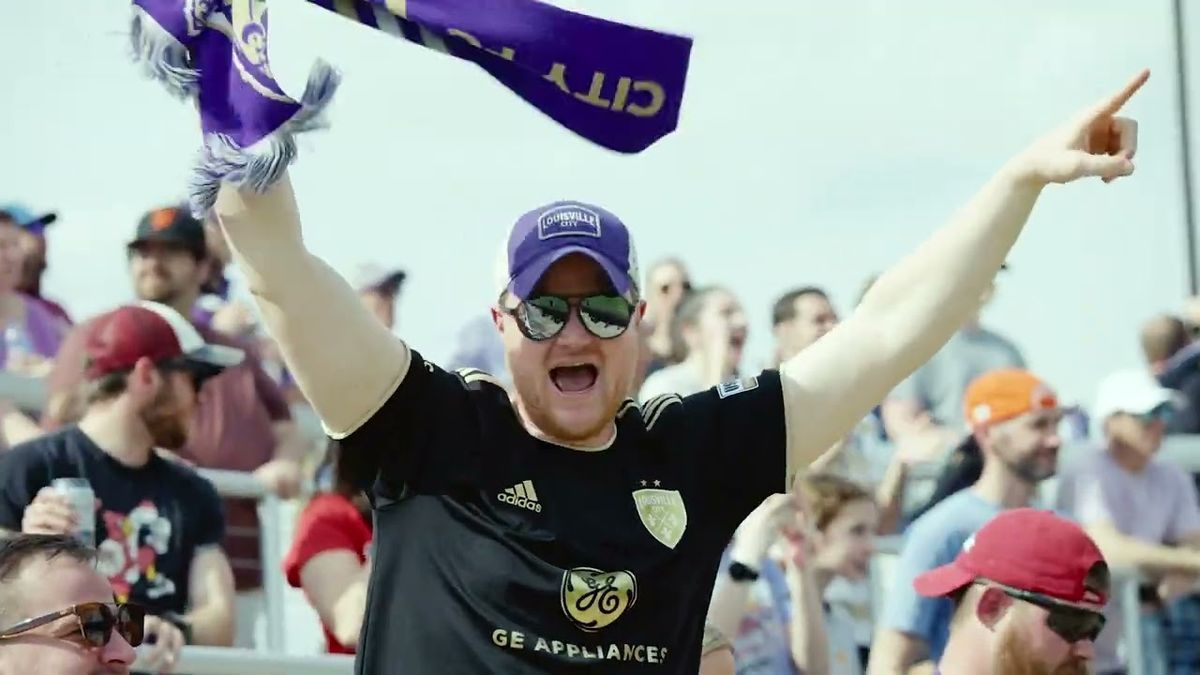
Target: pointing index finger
(1113, 103)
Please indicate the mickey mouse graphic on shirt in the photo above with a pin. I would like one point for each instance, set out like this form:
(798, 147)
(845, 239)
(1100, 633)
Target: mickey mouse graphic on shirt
(129, 553)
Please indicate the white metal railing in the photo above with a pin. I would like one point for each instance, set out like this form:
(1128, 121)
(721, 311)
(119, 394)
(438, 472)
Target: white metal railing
(227, 661)
(271, 545)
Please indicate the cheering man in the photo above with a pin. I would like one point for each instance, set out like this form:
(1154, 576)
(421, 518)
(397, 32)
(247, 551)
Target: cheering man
(565, 529)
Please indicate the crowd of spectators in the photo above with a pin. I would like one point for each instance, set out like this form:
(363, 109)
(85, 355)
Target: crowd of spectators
(794, 593)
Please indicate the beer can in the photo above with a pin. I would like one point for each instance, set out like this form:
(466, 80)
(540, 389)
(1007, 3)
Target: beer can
(78, 493)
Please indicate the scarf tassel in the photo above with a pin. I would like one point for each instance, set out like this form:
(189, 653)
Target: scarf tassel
(258, 166)
(162, 57)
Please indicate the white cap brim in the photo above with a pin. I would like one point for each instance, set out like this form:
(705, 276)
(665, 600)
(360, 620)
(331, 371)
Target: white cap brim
(219, 356)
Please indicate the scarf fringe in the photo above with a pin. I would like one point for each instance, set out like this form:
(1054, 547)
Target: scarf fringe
(162, 58)
(262, 164)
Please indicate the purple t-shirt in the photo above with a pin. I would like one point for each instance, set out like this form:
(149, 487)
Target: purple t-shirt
(1158, 505)
(43, 330)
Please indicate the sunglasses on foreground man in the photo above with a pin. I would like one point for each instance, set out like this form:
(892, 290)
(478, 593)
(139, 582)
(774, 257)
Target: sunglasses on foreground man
(70, 626)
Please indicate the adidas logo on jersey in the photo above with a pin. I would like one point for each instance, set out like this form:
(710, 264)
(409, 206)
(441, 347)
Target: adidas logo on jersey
(521, 495)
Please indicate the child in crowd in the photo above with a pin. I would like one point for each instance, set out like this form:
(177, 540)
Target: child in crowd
(782, 559)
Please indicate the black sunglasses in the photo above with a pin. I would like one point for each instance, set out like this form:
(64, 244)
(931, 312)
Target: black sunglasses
(95, 621)
(542, 317)
(1070, 623)
(198, 372)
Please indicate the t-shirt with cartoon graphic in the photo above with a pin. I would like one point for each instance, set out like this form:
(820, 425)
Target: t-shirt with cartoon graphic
(150, 521)
(497, 552)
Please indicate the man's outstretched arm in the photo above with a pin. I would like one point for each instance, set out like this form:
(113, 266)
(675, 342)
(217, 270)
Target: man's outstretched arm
(914, 308)
(344, 360)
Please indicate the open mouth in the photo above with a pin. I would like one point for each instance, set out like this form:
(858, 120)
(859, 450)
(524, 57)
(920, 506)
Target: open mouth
(574, 379)
(737, 340)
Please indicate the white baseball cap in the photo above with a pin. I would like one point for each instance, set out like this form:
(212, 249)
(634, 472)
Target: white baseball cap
(373, 277)
(1135, 392)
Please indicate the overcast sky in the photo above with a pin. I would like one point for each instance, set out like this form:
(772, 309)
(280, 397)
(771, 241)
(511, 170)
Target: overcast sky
(819, 142)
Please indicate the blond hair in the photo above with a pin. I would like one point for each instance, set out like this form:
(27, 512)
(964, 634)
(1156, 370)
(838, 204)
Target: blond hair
(825, 495)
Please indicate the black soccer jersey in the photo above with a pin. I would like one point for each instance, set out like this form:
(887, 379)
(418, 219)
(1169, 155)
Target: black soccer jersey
(497, 552)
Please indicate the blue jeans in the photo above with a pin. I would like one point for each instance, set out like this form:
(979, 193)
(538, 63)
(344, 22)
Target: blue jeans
(1181, 637)
(1171, 638)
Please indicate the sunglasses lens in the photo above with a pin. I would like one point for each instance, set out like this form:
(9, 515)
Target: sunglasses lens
(131, 623)
(543, 316)
(1073, 625)
(96, 621)
(605, 316)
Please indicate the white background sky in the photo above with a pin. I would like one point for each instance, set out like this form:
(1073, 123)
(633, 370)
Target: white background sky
(819, 141)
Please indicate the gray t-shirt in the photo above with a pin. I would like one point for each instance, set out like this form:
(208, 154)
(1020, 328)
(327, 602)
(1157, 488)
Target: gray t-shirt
(939, 385)
(1157, 505)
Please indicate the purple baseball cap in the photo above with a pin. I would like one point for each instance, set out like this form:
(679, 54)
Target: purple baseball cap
(549, 233)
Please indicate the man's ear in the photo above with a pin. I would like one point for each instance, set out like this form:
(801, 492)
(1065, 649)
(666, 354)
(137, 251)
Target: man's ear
(143, 377)
(991, 607)
(498, 318)
(640, 310)
(981, 433)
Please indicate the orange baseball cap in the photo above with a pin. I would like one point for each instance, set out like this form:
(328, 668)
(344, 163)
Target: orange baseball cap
(1005, 393)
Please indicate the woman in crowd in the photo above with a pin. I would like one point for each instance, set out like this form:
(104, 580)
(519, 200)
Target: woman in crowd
(711, 324)
(667, 283)
(782, 559)
(32, 333)
(330, 555)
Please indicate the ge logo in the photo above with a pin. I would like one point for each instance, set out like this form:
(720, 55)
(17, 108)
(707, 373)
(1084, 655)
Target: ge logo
(592, 599)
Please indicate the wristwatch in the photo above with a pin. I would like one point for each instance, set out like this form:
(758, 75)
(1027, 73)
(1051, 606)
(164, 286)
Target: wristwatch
(741, 572)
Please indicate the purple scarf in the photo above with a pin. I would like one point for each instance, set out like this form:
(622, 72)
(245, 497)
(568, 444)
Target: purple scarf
(616, 85)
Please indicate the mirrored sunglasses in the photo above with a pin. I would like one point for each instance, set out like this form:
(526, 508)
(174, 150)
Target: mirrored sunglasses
(542, 317)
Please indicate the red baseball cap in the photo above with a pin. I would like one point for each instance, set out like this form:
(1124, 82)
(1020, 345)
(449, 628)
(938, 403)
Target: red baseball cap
(117, 339)
(1026, 549)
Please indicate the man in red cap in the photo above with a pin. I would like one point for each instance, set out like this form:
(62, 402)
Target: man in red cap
(1014, 419)
(157, 525)
(242, 420)
(1029, 591)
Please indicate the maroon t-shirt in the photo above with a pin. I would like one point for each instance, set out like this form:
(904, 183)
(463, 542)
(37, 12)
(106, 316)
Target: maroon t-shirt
(232, 430)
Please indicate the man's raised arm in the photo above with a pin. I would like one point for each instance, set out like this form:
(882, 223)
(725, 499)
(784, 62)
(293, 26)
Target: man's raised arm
(914, 308)
(344, 360)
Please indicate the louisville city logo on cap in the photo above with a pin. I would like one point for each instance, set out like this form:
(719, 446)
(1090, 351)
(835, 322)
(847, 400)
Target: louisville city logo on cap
(570, 220)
